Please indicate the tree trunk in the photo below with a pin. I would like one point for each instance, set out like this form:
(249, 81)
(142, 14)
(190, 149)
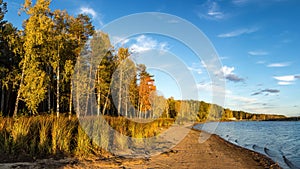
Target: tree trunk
(98, 94)
(98, 102)
(106, 100)
(49, 92)
(140, 112)
(57, 90)
(19, 93)
(89, 89)
(16, 104)
(126, 103)
(2, 99)
(71, 100)
(77, 101)
(8, 95)
(58, 83)
(120, 92)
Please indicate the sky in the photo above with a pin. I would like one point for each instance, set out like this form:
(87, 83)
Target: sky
(256, 42)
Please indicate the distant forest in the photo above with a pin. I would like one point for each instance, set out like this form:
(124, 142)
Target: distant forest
(46, 68)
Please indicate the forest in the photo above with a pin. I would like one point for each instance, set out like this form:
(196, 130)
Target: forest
(59, 64)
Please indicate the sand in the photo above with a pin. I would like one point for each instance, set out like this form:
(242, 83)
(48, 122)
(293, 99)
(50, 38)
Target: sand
(214, 153)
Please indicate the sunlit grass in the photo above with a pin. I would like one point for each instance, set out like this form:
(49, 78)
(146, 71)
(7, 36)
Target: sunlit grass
(45, 136)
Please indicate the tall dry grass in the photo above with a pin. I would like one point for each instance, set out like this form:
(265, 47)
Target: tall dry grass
(45, 136)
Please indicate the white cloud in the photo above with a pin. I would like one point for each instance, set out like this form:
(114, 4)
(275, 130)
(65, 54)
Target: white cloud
(278, 65)
(284, 83)
(258, 53)
(230, 75)
(286, 80)
(214, 11)
(238, 32)
(144, 43)
(289, 78)
(88, 11)
(211, 10)
(227, 70)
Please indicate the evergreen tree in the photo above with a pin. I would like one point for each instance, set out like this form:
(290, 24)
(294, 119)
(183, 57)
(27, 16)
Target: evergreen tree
(9, 60)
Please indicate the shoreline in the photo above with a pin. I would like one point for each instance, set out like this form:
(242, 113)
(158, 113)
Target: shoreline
(215, 152)
(264, 160)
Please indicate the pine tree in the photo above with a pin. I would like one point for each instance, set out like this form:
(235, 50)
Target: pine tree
(146, 88)
(9, 60)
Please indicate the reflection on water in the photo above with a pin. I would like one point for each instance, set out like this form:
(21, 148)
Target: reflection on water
(278, 140)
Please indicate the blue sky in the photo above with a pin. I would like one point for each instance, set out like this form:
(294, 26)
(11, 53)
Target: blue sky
(257, 42)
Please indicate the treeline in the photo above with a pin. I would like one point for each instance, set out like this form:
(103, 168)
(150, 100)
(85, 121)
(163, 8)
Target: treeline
(59, 64)
(201, 111)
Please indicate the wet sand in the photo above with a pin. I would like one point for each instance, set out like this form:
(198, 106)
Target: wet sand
(214, 153)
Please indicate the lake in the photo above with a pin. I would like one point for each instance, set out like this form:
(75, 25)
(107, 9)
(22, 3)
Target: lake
(278, 140)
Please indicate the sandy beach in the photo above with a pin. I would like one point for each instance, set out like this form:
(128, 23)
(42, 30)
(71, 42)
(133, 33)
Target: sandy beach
(214, 153)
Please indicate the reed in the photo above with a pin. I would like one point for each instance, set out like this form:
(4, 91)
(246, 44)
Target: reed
(47, 135)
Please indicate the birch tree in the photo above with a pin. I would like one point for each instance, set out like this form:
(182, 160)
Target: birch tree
(34, 80)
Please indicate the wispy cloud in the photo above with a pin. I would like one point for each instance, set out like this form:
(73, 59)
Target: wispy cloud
(266, 92)
(211, 10)
(223, 58)
(246, 100)
(197, 70)
(91, 12)
(286, 80)
(256, 2)
(88, 11)
(261, 62)
(145, 43)
(240, 2)
(285, 64)
(229, 74)
(238, 32)
(210, 87)
(258, 53)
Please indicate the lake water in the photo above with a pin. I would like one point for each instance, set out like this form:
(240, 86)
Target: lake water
(278, 140)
